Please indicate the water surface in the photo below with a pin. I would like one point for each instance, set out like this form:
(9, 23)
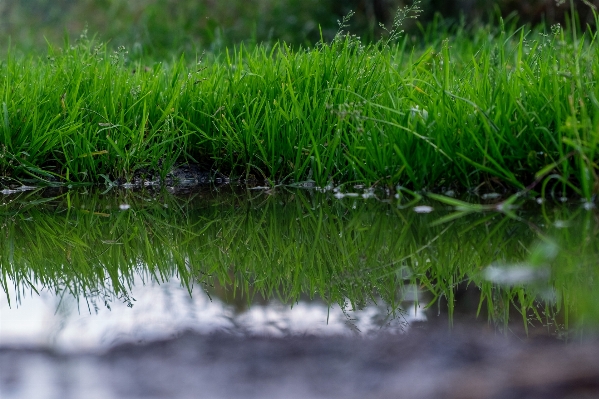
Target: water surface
(85, 269)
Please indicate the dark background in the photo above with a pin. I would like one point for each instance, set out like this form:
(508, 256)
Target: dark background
(164, 27)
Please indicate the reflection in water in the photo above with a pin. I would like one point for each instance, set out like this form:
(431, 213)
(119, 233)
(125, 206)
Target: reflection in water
(290, 248)
(161, 311)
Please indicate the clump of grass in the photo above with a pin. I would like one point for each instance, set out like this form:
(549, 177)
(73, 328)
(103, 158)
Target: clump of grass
(504, 106)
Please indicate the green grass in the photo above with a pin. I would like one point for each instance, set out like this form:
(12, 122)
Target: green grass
(298, 243)
(505, 106)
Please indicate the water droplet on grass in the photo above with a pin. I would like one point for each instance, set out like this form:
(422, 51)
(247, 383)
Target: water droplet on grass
(561, 224)
(423, 209)
(490, 196)
(449, 193)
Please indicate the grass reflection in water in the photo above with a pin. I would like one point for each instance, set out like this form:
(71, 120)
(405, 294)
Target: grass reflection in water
(539, 267)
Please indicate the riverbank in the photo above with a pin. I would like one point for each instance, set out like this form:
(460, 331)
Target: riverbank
(503, 107)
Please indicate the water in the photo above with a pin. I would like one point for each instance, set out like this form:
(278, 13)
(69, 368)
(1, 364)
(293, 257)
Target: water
(87, 270)
(294, 293)
(165, 310)
(84, 269)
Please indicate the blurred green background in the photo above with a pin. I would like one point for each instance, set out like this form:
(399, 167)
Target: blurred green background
(160, 28)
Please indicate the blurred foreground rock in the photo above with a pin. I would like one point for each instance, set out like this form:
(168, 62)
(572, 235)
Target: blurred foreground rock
(419, 365)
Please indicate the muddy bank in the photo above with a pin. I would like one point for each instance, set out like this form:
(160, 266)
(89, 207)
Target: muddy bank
(477, 364)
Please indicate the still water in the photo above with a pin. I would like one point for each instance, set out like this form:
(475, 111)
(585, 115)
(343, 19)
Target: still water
(84, 270)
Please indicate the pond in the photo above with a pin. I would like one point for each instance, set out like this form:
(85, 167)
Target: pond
(86, 271)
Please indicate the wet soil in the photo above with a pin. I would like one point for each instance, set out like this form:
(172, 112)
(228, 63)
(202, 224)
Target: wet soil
(465, 363)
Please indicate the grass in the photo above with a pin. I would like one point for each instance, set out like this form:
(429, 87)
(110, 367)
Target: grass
(503, 107)
(300, 243)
